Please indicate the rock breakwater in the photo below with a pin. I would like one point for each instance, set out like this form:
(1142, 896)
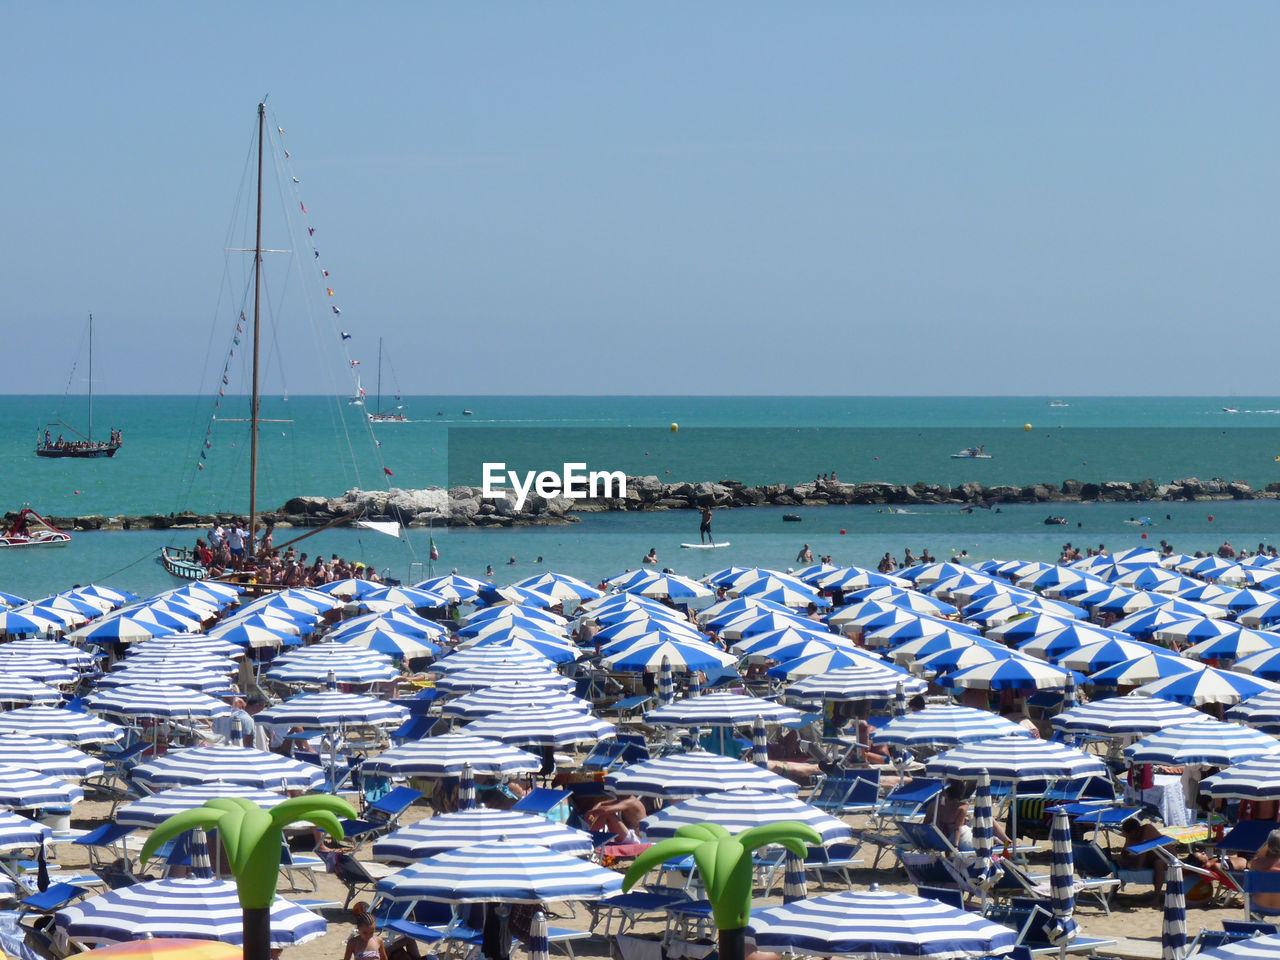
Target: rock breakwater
(464, 506)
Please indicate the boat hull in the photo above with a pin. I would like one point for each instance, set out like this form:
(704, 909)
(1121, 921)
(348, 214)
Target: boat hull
(78, 453)
(54, 540)
(388, 418)
(181, 564)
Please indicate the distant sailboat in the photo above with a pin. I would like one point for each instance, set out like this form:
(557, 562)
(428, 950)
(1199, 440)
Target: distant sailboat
(358, 399)
(85, 448)
(378, 416)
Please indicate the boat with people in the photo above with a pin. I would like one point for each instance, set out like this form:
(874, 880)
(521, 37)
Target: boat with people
(972, 453)
(29, 529)
(199, 563)
(1059, 403)
(379, 415)
(1230, 409)
(1055, 521)
(83, 447)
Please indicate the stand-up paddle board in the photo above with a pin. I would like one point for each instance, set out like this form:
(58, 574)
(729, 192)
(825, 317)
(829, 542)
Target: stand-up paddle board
(704, 546)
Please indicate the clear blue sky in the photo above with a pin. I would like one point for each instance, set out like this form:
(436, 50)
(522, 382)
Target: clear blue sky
(851, 198)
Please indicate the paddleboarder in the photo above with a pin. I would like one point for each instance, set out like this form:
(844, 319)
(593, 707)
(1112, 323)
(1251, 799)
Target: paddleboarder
(704, 531)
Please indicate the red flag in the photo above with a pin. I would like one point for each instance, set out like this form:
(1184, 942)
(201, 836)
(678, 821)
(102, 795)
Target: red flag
(303, 206)
(387, 471)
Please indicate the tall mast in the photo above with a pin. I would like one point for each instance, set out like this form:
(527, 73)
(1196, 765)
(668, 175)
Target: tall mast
(257, 289)
(91, 378)
(379, 374)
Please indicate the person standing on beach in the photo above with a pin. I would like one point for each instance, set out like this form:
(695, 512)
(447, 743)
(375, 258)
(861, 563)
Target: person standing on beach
(704, 532)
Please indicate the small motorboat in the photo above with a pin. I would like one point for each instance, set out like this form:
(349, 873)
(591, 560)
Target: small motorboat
(1230, 409)
(1055, 521)
(29, 529)
(791, 517)
(972, 453)
(1059, 403)
(466, 413)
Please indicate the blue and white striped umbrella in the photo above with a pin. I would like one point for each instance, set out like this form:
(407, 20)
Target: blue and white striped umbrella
(550, 646)
(22, 788)
(561, 586)
(403, 622)
(249, 637)
(669, 585)
(119, 627)
(398, 646)
(788, 644)
(921, 647)
(960, 658)
(1206, 686)
(541, 726)
(1264, 665)
(448, 831)
(759, 743)
(719, 615)
(34, 668)
(446, 755)
(1014, 673)
(920, 627)
(201, 867)
(185, 660)
(189, 908)
(1055, 644)
(1234, 645)
(738, 810)
(1251, 780)
(504, 696)
(1142, 670)
(646, 655)
(56, 723)
(641, 624)
(16, 690)
(501, 872)
(479, 678)
(195, 643)
(12, 599)
(694, 688)
(466, 790)
(1125, 716)
(721, 709)
(457, 588)
(666, 684)
(1173, 931)
(1210, 741)
(753, 623)
(155, 700)
(352, 588)
(229, 763)
(411, 598)
(1093, 657)
(171, 673)
(817, 663)
(1027, 628)
(900, 701)
(155, 808)
(347, 665)
(984, 833)
(944, 726)
(55, 651)
(513, 615)
(795, 885)
(869, 682)
(1063, 928)
(485, 657)
(539, 945)
(19, 833)
(329, 708)
(48, 757)
(492, 595)
(1011, 759)
(880, 925)
(692, 774)
(24, 623)
(1261, 712)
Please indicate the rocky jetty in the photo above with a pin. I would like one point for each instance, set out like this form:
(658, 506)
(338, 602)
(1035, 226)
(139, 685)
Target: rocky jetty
(464, 506)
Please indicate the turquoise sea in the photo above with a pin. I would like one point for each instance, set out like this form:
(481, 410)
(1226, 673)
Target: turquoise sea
(323, 446)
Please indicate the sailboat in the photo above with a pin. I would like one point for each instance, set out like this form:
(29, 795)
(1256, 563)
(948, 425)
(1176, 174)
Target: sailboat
(84, 448)
(357, 398)
(378, 416)
(188, 564)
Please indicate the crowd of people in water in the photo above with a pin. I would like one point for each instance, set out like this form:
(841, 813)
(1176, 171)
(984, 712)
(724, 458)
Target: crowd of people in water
(230, 549)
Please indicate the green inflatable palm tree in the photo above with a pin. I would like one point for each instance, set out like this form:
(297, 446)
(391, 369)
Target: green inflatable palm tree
(725, 865)
(252, 837)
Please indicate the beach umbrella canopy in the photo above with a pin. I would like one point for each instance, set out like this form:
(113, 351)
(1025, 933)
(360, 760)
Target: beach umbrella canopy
(984, 832)
(403, 622)
(1125, 716)
(170, 672)
(512, 614)
(478, 678)
(1235, 643)
(517, 640)
(198, 908)
(54, 651)
(492, 595)
(1249, 780)
(345, 664)
(789, 643)
(504, 696)
(19, 833)
(942, 727)
(541, 726)
(155, 808)
(646, 656)
(412, 597)
(561, 586)
(1013, 673)
(34, 668)
(119, 628)
(1261, 712)
(26, 623)
(194, 643)
(155, 700)
(457, 588)
(724, 612)
(445, 755)
(1055, 644)
(721, 709)
(921, 626)
(692, 774)
(921, 647)
(352, 588)
(56, 723)
(671, 586)
(399, 646)
(817, 663)
(229, 763)
(666, 687)
(1205, 686)
(483, 657)
(879, 924)
(248, 636)
(15, 689)
(849, 579)
(48, 757)
(448, 831)
(23, 788)
(1012, 759)
(1028, 627)
(738, 810)
(959, 658)
(1093, 657)
(861, 682)
(501, 872)
(1209, 741)
(329, 708)
(1145, 669)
